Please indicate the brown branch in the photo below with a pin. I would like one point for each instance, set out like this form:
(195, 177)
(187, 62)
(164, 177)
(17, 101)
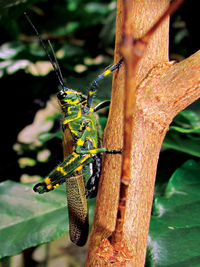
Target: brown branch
(132, 51)
(180, 83)
(163, 89)
(107, 199)
(169, 11)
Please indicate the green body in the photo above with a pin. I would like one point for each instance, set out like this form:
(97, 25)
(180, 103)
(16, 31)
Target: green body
(81, 168)
(82, 137)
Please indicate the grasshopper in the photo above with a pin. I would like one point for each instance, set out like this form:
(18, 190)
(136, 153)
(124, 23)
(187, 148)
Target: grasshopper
(81, 167)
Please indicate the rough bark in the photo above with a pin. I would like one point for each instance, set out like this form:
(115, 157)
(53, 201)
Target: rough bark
(163, 89)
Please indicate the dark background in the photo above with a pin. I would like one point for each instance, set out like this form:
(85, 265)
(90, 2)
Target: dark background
(82, 29)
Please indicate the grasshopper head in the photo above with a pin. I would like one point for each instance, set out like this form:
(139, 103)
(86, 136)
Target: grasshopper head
(69, 97)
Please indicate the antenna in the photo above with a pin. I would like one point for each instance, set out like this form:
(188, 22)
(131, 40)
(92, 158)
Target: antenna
(57, 71)
(57, 65)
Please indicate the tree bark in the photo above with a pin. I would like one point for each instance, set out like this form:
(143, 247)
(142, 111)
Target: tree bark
(163, 89)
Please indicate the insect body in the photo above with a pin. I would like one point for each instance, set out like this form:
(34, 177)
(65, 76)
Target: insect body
(80, 121)
(81, 168)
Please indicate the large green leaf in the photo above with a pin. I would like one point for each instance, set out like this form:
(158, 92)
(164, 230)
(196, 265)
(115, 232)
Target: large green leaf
(184, 133)
(187, 121)
(177, 141)
(174, 238)
(29, 219)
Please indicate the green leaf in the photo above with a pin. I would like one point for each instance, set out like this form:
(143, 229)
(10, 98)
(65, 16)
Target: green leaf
(93, 7)
(182, 143)
(69, 51)
(45, 137)
(184, 133)
(174, 238)
(186, 121)
(26, 162)
(29, 219)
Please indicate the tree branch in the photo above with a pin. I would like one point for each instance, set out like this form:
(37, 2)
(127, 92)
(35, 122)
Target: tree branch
(163, 89)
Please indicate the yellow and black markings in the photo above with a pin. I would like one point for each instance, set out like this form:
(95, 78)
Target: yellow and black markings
(85, 160)
(81, 169)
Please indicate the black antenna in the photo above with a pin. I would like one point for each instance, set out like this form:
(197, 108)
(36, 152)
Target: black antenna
(58, 73)
(54, 55)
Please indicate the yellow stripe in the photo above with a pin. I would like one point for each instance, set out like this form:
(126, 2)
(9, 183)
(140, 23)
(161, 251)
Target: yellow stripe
(73, 92)
(47, 181)
(80, 142)
(72, 119)
(75, 156)
(75, 102)
(60, 169)
(107, 72)
(93, 151)
(81, 125)
(49, 186)
(84, 102)
(85, 158)
(79, 168)
(68, 110)
(91, 92)
(88, 121)
(72, 130)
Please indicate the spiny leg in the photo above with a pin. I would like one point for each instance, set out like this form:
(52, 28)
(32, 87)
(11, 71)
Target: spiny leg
(74, 162)
(101, 76)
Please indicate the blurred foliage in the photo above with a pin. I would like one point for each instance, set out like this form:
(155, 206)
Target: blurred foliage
(23, 211)
(82, 34)
(78, 31)
(175, 224)
(83, 50)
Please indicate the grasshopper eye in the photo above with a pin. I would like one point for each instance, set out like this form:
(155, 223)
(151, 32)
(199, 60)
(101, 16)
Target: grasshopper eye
(61, 95)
